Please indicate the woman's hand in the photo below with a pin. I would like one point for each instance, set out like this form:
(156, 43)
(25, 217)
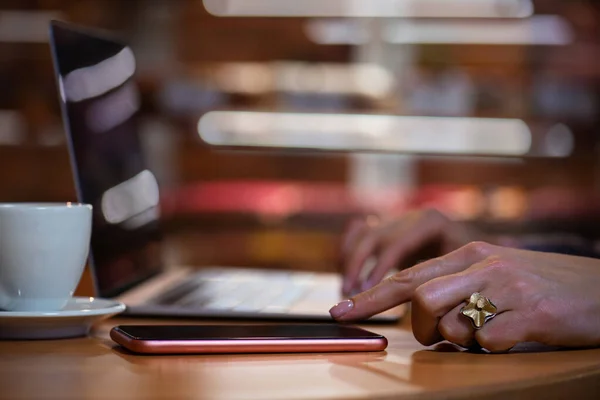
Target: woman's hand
(393, 244)
(541, 297)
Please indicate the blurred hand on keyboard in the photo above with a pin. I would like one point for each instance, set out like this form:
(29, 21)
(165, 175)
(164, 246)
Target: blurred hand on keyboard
(372, 248)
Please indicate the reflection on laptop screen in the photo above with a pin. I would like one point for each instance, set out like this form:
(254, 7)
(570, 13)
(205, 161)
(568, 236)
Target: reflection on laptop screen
(100, 102)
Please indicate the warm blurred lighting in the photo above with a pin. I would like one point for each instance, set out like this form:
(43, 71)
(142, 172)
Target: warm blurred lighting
(26, 26)
(249, 77)
(113, 110)
(12, 128)
(467, 203)
(283, 202)
(372, 8)
(133, 202)
(297, 77)
(537, 30)
(95, 80)
(508, 203)
(428, 135)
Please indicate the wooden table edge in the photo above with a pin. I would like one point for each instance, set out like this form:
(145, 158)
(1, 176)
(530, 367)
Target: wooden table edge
(581, 384)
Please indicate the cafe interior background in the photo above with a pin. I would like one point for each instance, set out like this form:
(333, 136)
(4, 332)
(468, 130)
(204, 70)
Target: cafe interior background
(269, 123)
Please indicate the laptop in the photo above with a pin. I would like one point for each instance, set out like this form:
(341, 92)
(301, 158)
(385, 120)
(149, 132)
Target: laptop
(99, 102)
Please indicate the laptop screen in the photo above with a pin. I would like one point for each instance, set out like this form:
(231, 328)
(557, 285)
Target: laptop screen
(100, 103)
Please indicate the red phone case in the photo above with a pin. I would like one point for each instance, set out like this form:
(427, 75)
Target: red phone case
(258, 345)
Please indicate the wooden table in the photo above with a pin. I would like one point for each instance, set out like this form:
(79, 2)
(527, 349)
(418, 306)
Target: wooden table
(94, 368)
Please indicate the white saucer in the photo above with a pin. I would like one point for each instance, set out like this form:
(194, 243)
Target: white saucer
(73, 320)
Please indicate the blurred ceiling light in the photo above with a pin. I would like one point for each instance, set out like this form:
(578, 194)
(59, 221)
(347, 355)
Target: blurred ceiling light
(245, 77)
(114, 109)
(372, 8)
(356, 132)
(95, 80)
(26, 26)
(537, 30)
(362, 79)
(340, 31)
(372, 79)
(325, 78)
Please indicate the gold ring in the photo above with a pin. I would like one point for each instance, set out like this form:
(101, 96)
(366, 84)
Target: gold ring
(479, 310)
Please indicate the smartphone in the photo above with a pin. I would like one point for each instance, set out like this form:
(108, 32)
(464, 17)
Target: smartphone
(238, 338)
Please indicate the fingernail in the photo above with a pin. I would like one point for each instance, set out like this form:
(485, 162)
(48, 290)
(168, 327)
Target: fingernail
(341, 309)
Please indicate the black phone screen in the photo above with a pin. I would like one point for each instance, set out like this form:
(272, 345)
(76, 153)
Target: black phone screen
(246, 332)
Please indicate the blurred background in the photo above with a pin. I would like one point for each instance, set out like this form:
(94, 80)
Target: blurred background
(269, 123)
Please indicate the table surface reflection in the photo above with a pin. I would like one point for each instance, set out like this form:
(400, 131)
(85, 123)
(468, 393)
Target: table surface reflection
(95, 368)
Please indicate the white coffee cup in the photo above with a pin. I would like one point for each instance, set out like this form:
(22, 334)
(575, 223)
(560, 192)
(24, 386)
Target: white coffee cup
(43, 251)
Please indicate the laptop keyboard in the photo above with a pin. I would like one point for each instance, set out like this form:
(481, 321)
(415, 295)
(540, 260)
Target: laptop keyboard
(244, 291)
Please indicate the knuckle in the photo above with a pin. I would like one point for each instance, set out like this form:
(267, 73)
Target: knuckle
(419, 300)
(487, 341)
(502, 335)
(543, 310)
(448, 332)
(441, 265)
(521, 287)
(494, 341)
(440, 261)
(495, 264)
(425, 300)
(419, 334)
(479, 249)
(453, 333)
(423, 337)
(402, 278)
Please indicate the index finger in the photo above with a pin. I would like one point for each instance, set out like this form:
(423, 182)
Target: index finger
(400, 287)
